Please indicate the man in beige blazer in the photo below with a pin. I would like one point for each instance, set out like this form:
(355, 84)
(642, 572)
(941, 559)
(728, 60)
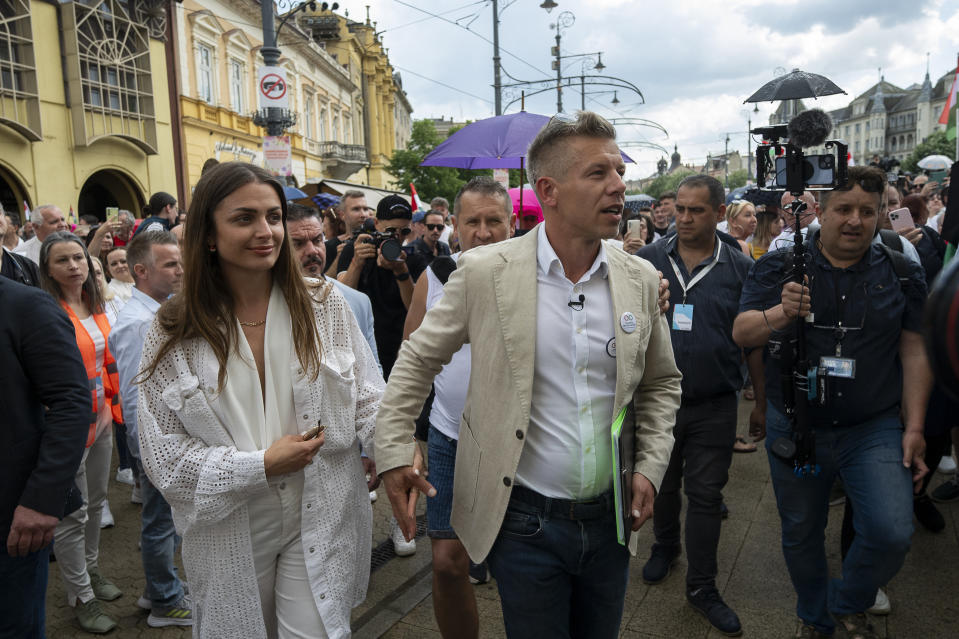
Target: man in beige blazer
(565, 332)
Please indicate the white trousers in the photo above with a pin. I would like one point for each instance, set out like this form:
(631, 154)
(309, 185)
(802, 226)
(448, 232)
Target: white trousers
(289, 609)
(76, 540)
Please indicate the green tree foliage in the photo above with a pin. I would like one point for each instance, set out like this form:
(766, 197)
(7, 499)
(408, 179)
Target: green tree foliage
(669, 182)
(738, 179)
(936, 143)
(430, 181)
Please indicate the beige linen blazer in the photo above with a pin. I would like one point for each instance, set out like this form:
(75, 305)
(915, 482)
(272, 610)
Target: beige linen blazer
(490, 302)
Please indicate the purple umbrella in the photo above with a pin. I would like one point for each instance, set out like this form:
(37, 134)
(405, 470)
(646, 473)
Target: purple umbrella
(500, 142)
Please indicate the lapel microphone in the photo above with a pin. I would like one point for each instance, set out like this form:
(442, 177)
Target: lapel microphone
(577, 305)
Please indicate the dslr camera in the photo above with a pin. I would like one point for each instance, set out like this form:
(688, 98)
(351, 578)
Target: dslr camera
(387, 242)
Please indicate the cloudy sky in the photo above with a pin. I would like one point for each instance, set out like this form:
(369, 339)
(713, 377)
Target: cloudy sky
(694, 61)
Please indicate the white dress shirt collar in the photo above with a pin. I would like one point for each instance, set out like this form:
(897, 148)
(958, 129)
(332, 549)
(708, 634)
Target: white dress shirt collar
(547, 260)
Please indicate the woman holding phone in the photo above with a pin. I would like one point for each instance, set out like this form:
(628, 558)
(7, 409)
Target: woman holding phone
(237, 370)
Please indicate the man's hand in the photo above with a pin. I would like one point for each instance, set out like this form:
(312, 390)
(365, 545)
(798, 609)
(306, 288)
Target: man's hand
(400, 482)
(913, 453)
(795, 300)
(757, 422)
(369, 469)
(397, 266)
(363, 249)
(30, 531)
(663, 300)
(643, 497)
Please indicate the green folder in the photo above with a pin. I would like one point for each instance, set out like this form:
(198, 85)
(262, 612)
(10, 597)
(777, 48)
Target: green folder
(623, 437)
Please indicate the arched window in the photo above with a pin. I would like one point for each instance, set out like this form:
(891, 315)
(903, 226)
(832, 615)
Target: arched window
(109, 75)
(19, 100)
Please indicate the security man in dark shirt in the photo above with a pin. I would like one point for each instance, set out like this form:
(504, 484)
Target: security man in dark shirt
(705, 277)
(387, 282)
(862, 314)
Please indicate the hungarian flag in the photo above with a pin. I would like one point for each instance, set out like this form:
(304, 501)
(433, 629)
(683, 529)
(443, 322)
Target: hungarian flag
(415, 198)
(948, 116)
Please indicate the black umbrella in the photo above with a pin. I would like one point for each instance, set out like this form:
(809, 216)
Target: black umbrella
(795, 85)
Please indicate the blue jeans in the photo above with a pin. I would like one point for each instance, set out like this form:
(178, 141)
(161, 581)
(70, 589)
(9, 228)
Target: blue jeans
(23, 593)
(868, 459)
(560, 577)
(442, 458)
(158, 541)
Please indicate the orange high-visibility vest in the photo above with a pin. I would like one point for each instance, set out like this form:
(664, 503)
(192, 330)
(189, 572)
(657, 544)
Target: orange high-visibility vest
(111, 380)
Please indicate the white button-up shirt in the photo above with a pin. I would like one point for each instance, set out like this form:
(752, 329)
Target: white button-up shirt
(568, 452)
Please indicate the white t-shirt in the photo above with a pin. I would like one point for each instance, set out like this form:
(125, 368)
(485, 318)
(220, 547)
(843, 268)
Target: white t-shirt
(104, 416)
(452, 382)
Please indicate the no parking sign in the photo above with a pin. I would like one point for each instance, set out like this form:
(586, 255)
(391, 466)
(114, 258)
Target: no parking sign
(272, 88)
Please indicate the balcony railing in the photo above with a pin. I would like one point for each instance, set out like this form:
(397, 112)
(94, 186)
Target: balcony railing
(342, 152)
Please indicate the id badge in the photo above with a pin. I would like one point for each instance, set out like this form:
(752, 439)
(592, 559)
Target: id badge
(838, 367)
(683, 317)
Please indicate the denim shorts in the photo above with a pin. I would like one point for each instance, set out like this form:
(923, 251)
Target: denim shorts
(442, 460)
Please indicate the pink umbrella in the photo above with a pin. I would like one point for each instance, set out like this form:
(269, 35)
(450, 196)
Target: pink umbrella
(530, 205)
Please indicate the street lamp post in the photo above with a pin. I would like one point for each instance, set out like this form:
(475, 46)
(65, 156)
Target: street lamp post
(726, 161)
(563, 21)
(497, 78)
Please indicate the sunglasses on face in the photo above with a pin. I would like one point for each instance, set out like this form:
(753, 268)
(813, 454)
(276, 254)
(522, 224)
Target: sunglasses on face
(402, 232)
(434, 227)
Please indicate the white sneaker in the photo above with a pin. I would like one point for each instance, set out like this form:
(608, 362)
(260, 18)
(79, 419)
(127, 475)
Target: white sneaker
(125, 476)
(401, 547)
(947, 465)
(106, 517)
(135, 495)
(372, 496)
(882, 605)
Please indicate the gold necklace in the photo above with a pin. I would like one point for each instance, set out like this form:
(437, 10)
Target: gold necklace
(252, 324)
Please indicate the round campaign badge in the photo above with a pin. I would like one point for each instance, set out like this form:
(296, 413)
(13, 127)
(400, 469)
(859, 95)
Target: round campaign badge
(628, 322)
(611, 347)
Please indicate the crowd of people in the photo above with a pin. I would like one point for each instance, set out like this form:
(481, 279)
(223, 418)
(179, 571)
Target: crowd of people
(261, 366)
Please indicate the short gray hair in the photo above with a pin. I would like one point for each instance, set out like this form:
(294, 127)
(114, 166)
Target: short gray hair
(126, 216)
(486, 186)
(546, 157)
(36, 215)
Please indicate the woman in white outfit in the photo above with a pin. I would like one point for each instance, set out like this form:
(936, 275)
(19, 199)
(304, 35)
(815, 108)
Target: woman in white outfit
(276, 526)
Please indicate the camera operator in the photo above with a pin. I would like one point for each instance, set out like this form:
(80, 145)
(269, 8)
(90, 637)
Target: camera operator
(363, 266)
(861, 303)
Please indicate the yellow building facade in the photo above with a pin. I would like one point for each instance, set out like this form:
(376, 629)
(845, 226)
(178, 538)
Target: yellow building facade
(219, 56)
(339, 81)
(84, 117)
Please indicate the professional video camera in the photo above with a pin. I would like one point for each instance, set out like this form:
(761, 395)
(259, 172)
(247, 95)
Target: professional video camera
(387, 242)
(792, 170)
(795, 172)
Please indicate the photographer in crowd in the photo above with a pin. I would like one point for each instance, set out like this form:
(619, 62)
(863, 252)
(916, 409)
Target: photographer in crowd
(364, 266)
(861, 304)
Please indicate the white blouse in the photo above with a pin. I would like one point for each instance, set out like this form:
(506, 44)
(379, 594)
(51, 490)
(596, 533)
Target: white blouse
(191, 457)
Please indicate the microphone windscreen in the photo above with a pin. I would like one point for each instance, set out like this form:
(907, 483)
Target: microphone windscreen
(809, 128)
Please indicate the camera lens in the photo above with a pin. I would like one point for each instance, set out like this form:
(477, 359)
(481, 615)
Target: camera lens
(391, 249)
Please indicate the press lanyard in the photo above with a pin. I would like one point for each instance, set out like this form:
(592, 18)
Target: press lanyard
(700, 275)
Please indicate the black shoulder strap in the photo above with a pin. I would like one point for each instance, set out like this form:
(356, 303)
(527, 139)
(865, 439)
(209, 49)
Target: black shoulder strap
(901, 264)
(891, 239)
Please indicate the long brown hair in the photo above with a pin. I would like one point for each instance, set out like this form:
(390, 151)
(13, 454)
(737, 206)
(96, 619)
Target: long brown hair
(91, 290)
(204, 308)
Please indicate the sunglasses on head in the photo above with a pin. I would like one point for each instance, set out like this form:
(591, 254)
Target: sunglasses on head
(434, 227)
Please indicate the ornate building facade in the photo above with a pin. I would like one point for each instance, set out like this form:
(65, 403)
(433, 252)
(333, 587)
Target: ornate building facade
(85, 118)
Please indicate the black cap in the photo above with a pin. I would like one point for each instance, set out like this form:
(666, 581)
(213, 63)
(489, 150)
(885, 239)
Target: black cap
(393, 207)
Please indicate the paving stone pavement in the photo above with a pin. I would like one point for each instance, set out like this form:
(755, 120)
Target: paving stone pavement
(752, 577)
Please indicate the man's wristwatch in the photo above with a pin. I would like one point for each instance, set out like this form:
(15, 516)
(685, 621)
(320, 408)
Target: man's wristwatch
(402, 277)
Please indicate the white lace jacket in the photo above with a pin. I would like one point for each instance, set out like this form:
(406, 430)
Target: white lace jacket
(190, 457)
